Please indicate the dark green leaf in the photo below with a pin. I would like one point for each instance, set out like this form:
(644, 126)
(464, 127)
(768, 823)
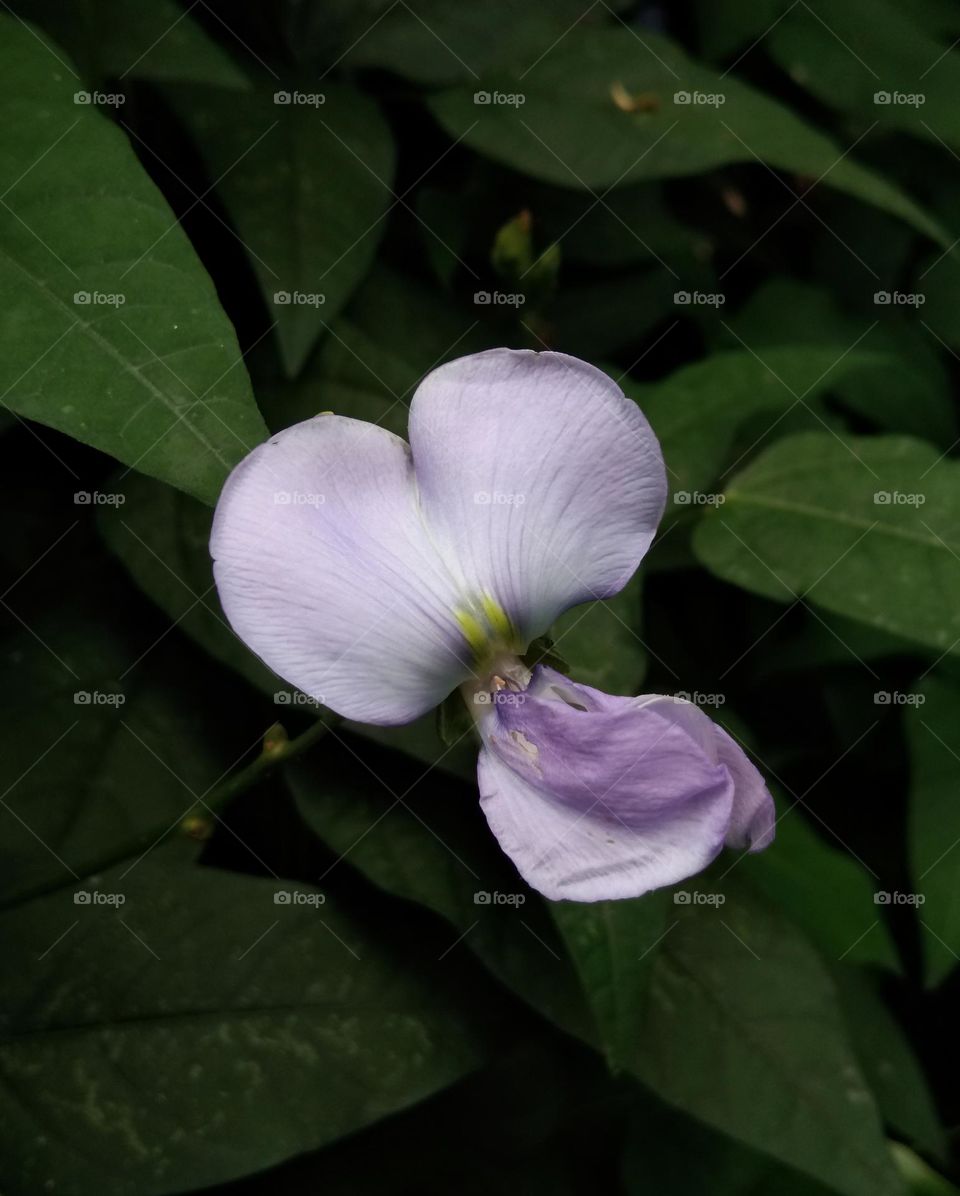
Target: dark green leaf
(154, 376)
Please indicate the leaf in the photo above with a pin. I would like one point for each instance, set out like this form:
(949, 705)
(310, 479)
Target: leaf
(162, 537)
(743, 1031)
(307, 186)
(200, 1031)
(157, 381)
(601, 644)
(393, 332)
(698, 411)
(889, 1063)
(431, 41)
(825, 891)
(613, 945)
(932, 722)
(114, 39)
(434, 848)
(674, 1155)
(904, 389)
(803, 520)
(568, 129)
(98, 739)
(848, 54)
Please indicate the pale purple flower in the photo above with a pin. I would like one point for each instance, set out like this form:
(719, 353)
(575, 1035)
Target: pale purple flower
(378, 576)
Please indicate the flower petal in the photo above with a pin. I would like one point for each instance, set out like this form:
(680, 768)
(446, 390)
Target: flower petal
(754, 816)
(538, 477)
(602, 799)
(325, 570)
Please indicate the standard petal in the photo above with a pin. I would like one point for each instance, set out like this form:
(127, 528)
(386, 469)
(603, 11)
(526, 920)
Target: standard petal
(754, 816)
(600, 800)
(325, 570)
(538, 477)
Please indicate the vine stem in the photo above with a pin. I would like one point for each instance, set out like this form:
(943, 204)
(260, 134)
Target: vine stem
(276, 750)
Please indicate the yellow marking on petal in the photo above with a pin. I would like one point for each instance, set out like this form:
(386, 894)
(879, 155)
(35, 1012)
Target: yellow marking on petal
(498, 619)
(474, 631)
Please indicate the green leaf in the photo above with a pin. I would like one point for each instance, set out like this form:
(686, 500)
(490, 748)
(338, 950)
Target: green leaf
(600, 641)
(825, 891)
(117, 39)
(889, 1063)
(437, 42)
(156, 381)
(570, 130)
(932, 722)
(200, 1031)
(613, 945)
(98, 740)
(743, 1031)
(674, 1155)
(699, 411)
(898, 380)
(804, 520)
(162, 537)
(435, 848)
(848, 54)
(393, 332)
(307, 186)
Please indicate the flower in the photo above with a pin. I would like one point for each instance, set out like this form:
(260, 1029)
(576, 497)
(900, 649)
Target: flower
(378, 576)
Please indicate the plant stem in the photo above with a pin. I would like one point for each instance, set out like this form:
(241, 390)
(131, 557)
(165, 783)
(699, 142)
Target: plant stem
(217, 799)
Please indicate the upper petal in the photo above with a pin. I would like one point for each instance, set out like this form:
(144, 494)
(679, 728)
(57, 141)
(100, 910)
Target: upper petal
(538, 477)
(325, 570)
(602, 799)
